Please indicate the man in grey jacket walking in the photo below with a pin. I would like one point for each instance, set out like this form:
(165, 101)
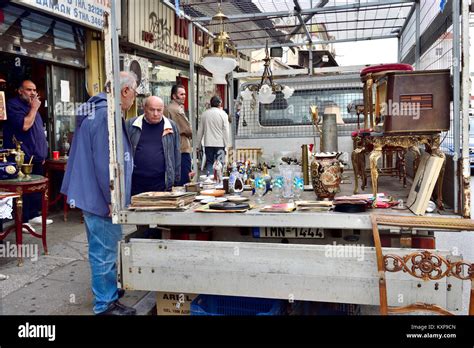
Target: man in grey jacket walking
(214, 133)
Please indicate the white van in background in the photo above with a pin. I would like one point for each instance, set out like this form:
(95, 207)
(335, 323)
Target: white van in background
(284, 125)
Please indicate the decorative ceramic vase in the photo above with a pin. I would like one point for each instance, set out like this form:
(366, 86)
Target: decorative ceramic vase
(326, 174)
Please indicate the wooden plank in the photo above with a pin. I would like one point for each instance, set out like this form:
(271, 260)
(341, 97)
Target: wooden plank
(299, 272)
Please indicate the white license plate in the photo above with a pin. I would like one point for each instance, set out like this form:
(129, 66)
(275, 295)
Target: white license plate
(290, 232)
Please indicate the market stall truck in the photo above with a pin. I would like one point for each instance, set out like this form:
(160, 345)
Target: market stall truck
(301, 256)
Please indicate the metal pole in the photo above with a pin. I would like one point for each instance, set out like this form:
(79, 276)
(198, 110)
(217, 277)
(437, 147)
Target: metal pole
(117, 109)
(408, 18)
(456, 99)
(310, 67)
(292, 44)
(308, 34)
(417, 35)
(466, 88)
(170, 5)
(357, 5)
(399, 56)
(114, 114)
(233, 125)
(192, 96)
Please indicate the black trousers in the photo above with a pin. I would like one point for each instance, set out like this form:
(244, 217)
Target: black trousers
(185, 168)
(32, 201)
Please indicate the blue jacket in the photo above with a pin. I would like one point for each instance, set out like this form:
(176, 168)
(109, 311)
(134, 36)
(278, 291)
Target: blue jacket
(86, 181)
(33, 140)
(170, 147)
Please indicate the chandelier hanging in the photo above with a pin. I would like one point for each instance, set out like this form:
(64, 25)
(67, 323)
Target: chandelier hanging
(265, 91)
(221, 60)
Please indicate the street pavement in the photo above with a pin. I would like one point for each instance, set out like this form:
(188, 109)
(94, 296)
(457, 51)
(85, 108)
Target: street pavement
(57, 283)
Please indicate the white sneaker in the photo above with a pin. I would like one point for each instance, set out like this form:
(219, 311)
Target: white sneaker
(24, 230)
(37, 220)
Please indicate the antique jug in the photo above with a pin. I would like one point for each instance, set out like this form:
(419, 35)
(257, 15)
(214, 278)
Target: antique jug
(326, 174)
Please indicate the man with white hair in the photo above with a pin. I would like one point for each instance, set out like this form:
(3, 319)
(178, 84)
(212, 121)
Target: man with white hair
(86, 184)
(156, 149)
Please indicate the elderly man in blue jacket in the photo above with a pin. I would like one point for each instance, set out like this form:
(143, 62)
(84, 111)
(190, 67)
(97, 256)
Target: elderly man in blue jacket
(86, 184)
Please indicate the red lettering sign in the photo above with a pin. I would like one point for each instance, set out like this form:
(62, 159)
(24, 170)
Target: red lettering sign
(181, 27)
(147, 36)
(198, 36)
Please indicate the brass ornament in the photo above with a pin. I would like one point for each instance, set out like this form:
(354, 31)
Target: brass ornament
(428, 266)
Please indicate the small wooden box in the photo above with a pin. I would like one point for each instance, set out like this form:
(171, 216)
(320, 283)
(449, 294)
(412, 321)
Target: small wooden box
(414, 101)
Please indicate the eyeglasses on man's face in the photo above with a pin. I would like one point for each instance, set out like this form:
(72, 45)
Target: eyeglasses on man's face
(134, 90)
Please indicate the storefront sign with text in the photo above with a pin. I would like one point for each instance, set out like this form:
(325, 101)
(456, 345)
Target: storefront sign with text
(161, 38)
(89, 13)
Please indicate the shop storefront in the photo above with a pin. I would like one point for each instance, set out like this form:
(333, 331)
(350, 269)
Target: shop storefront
(50, 52)
(162, 76)
(158, 40)
(47, 43)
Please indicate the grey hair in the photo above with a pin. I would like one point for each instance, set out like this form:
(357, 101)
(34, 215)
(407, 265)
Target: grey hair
(128, 79)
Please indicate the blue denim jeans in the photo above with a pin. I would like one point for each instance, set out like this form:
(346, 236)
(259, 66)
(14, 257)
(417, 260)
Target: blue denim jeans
(103, 238)
(213, 153)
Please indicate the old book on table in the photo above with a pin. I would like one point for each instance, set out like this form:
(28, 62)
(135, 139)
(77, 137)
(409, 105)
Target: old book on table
(279, 208)
(314, 206)
(163, 199)
(424, 183)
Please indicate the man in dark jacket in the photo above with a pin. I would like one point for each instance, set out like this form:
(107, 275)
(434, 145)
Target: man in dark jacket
(25, 124)
(86, 184)
(155, 142)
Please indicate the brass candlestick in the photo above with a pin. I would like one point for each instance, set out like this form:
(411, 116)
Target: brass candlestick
(317, 127)
(305, 163)
(19, 156)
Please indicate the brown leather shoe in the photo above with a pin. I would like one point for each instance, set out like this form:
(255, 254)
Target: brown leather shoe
(116, 308)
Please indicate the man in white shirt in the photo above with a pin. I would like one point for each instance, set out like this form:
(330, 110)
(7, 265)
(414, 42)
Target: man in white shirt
(213, 133)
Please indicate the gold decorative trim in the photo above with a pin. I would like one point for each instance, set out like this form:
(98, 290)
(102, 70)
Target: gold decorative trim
(406, 142)
(37, 188)
(428, 266)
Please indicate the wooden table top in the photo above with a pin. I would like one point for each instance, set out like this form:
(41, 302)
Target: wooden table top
(34, 179)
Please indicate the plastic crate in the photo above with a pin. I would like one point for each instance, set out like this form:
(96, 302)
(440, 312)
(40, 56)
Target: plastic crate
(230, 305)
(339, 309)
(323, 308)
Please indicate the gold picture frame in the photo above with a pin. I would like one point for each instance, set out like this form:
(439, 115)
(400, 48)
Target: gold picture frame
(3, 107)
